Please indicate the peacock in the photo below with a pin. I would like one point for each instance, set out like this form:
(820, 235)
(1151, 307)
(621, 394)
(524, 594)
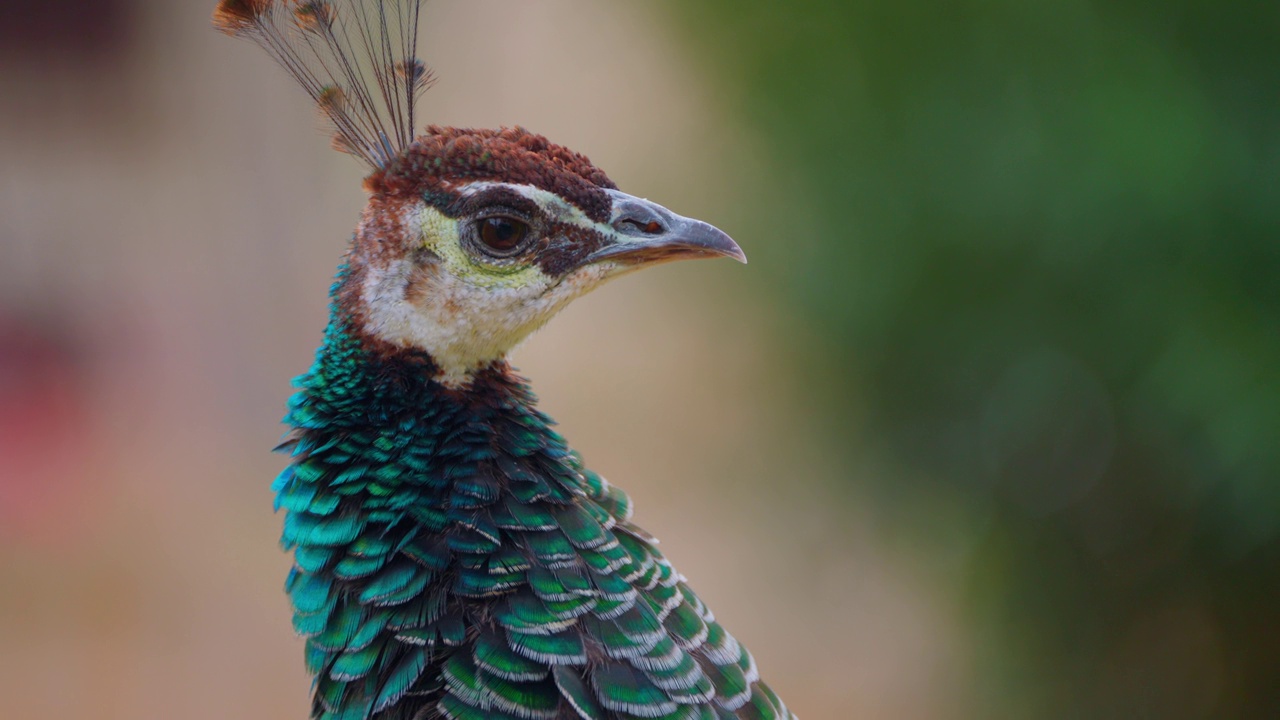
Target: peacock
(453, 557)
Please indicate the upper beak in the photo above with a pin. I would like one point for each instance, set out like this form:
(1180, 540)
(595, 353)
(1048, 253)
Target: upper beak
(646, 233)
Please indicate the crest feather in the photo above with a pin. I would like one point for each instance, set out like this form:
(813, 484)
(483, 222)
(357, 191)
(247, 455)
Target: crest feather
(357, 59)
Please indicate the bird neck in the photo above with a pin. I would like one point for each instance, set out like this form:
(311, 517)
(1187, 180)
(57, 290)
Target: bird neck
(358, 380)
(381, 417)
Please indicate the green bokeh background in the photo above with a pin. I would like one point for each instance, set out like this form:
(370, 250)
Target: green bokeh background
(1039, 243)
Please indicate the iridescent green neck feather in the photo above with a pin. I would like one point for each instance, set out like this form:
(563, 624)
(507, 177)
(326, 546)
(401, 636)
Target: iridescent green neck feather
(454, 559)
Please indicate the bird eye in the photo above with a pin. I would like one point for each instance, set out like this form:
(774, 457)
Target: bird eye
(501, 234)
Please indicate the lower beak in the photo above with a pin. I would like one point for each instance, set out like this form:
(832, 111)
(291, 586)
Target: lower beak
(646, 233)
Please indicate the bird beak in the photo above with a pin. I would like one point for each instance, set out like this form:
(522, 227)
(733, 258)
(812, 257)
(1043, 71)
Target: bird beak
(645, 233)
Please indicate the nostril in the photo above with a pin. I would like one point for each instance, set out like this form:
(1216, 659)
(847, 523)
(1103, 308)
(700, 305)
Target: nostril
(649, 227)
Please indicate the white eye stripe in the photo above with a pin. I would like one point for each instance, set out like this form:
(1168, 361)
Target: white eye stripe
(553, 205)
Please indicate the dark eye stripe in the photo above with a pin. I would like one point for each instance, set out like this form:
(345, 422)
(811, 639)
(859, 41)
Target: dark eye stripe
(573, 244)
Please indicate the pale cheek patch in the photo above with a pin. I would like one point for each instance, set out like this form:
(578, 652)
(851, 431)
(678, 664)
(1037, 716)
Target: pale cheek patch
(463, 327)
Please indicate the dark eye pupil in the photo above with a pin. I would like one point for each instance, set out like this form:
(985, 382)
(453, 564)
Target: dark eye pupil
(502, 233)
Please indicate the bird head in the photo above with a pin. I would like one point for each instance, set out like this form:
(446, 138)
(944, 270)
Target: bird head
(473, 239)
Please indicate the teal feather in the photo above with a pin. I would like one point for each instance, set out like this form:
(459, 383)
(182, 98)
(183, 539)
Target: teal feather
(760, 707)
(446, 630)
(616, 503)
(720, 647)
(409, 592)
(531, 491)
(602, 516)
(773, 699)
(302, 528)
(316, 658)
(533, 700)
(331, 695)
(463, 682)
(624, 689)
(685, 683)
(393, 579)
(370, 545)
(282, 481)
(479, 523)
(455, 709)
(581, 528)
(399, 680)
(482, 583)
(595, 485)
(349, 474)
(507, 560)
(549, 585)
(368, 631)
(428, 608)
(323, 504)
(612, 586)
(453, 631)
(605, 560)
(355, 664)
(495, 656)
(665, 599)
(296, 498)
(692, 598)
(466, 540)
(381, 491)
(644, 577)
(430, 554)
(308, 624)
(353, 567)
(618, 644)
(482, 488)
(640, 622)
(527, 614)
(523, 517)
(344, 623)
(732, 688)
(574, 690)
(664, 655)
(686, 626)
(310, 593)
(550, 547)
(313, 559)
(561, 648)
(572, 608)
(608, 609)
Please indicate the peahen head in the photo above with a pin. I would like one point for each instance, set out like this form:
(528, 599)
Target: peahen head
(473, 239)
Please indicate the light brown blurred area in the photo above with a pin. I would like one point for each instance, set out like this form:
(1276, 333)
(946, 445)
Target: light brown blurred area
(169, 224)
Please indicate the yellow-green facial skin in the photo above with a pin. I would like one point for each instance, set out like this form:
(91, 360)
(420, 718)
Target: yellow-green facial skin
(441, 235)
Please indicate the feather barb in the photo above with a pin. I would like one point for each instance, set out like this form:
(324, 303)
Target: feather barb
(357, 59)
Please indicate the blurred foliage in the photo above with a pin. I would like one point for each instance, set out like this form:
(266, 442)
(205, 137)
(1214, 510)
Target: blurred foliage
(1035, 251)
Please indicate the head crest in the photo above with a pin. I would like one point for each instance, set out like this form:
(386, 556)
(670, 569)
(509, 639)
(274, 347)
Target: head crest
(357, 59)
